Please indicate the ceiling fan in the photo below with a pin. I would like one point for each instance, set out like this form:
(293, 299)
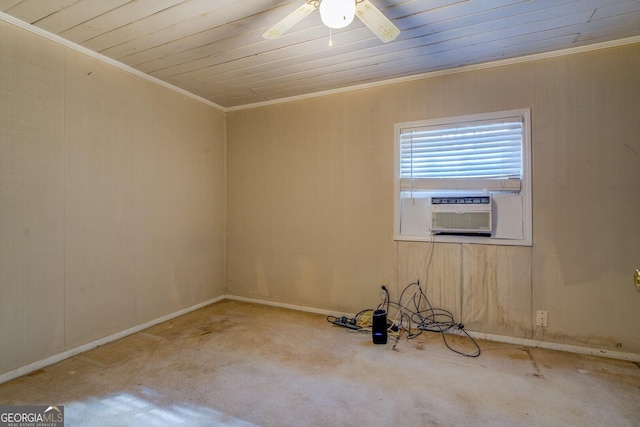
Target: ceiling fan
(339, 14)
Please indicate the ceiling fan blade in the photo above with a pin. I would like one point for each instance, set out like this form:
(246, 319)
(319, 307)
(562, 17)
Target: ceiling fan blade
(290, 20)
(376, 21)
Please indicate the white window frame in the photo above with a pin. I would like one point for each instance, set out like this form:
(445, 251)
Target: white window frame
(518, 213)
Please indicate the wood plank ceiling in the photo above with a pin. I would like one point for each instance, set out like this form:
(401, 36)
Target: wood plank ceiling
(214, 48)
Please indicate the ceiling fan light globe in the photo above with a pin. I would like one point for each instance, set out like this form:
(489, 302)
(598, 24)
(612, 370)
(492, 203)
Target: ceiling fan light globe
(337, 13)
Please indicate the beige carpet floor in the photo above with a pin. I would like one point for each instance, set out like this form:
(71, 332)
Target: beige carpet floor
(239, 364)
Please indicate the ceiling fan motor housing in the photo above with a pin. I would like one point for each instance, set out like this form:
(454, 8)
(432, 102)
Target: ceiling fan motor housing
(337, 13)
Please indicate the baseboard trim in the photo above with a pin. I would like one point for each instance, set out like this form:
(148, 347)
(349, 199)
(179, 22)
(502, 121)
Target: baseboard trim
(631, 357)
(569, 348)
(23, 370)
(7, 376)
(289, 306)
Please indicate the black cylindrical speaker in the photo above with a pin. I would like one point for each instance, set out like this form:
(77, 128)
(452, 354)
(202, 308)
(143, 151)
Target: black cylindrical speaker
(379, 327)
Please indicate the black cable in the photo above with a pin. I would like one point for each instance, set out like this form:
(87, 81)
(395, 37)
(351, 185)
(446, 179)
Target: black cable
(386, 299)
(431, 321)
(348, 322)
(425, 319)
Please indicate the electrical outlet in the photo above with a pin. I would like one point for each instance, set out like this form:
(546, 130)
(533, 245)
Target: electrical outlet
(541, 318)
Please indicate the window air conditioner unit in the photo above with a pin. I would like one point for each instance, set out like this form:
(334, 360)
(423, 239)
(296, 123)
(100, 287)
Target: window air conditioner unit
(461, 215)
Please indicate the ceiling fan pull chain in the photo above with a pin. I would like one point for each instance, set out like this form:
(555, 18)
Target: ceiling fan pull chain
(330, 38)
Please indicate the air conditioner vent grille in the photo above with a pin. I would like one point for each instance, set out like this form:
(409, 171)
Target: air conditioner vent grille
(463, 221)
(464, 215)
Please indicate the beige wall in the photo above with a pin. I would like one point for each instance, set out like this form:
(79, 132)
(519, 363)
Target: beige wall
(113, 208)
(112, 200)
(310, 201)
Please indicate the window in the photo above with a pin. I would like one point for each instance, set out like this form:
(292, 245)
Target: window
(464, 158)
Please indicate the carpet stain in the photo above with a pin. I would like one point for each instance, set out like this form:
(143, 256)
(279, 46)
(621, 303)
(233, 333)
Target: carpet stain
(518, 354)
(246, 365)
(537, 373)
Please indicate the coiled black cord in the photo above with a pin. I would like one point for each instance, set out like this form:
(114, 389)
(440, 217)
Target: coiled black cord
(416, 315)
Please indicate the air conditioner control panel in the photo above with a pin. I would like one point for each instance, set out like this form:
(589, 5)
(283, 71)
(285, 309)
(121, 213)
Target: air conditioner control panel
(467, 200)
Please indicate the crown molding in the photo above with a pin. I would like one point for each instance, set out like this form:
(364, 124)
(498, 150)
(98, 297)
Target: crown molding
(431, 74)
(449, 71)
(78, 48)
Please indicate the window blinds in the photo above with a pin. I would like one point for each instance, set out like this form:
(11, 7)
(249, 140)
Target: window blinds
(472, 155)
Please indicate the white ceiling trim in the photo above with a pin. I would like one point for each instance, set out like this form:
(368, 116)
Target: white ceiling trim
(527, 58)
(57, 39)
(448, 71)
